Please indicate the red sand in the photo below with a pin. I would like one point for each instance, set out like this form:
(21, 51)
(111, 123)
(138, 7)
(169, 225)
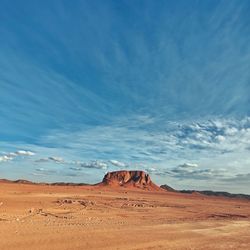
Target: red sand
(94, 217)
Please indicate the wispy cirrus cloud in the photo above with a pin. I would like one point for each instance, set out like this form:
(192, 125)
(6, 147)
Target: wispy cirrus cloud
(214, 149)
(158, 141)
(147, 85)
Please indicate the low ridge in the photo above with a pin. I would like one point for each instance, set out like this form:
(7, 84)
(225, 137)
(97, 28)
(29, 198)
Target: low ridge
(207, 193)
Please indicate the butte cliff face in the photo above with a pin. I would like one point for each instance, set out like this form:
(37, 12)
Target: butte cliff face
(130, 179)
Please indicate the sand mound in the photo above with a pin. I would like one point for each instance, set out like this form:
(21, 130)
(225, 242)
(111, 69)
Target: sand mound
(129, 179)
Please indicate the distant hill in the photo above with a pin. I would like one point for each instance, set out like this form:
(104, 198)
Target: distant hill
(68, 184)
(24, 182)
(43, 183)
(5, 181)
(208, 193)
(133, 179)
(168, 188)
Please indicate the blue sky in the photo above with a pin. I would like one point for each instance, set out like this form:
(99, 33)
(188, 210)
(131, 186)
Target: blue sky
(88, 87)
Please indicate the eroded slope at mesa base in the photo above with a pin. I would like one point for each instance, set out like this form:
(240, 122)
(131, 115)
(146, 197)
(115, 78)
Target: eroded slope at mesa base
(130, 179)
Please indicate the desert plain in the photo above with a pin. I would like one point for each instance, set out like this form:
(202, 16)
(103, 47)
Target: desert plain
(92, 217)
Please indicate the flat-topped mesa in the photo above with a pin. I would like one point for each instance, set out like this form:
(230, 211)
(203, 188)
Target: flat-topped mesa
(138, 179)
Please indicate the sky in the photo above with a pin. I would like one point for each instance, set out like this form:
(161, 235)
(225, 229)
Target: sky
(88, 87)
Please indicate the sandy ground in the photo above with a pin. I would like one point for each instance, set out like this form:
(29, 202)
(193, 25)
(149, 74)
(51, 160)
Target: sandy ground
(55, 217)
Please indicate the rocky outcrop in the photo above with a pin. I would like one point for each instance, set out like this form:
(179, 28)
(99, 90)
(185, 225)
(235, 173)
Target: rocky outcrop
(136, 179)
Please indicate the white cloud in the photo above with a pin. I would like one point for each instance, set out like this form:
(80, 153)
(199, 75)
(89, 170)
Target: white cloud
(193, 171)
(5, 158)
(11, 155)
(220, 138)
(118, 163)
(51, 158)
(40, 169)
(188, 165)
(94, 164)
(78, 164)
(56, 159)
(42, 160)
(23, 152)
(151, 170)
